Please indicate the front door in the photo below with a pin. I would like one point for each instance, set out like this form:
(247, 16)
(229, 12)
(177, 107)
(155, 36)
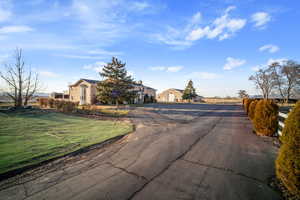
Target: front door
(82, 94)
(171, 98)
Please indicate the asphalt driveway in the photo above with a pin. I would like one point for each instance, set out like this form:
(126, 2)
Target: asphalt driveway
(178, 151)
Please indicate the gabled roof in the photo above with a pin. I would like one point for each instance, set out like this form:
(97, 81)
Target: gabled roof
(179, 90)
(86, 80)
(96, 81)
(90, 81)
(138, 84)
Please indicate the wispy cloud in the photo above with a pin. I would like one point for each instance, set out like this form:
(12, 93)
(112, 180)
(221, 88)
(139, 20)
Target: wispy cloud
(139, 6)
(233, 63)
(97, 66)
(270, 48)
(15, 29)
(221, 28)
(80, 56)
(278, 60)
(104, 52)
(203, 75)
(167, 68)
(260, 19)
(48, 74)
(268, 63)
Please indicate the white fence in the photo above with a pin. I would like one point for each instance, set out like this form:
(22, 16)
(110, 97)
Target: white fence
(281, 122)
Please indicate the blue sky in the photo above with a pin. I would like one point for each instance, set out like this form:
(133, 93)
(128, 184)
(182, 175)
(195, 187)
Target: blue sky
(216, 43)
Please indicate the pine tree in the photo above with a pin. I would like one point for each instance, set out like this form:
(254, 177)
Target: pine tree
(117, 85)
(189, 92)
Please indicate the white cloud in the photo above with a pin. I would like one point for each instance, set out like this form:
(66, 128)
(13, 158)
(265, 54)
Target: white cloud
(270, 48)
(167, 69)
(203, 75)
(48, 74)
(233, 63)
(15, 29)
(222, 28)
(97, 66)
(139, 6)
(278, 60)
(158, 68)
(260, 19)
(104, 52)
(268, 63)
(174, 69)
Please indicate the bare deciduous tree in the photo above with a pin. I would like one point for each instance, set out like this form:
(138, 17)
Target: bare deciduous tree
(286, 78)
(243, 94)
(20, 84)
(263, 79)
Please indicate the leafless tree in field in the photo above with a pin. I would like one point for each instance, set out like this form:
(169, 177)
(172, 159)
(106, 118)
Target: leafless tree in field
(286, 77)
(243, 94)
(263, 80)
(21, 85)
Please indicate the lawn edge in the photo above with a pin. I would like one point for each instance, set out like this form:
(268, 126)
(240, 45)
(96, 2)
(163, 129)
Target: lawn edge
(14, 172)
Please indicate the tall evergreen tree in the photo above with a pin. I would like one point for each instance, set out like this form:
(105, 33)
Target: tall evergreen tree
(189, 92)
(117, 85)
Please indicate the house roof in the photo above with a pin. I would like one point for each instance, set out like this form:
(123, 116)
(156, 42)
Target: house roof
(179, 90)
(138, 84)
(96, 81)
(90, 81)
(86, 80)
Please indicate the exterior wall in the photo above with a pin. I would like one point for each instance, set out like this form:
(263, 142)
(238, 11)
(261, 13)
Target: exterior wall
(142, 91)
(75, 92)
(91, 91)
(151, 92)
(170, 95)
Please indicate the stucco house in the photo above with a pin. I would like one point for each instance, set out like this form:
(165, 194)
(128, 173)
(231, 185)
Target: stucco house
(174, 95)
(170, 95)
(84, 91)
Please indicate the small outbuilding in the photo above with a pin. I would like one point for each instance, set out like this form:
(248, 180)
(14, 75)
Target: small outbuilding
(170, 95)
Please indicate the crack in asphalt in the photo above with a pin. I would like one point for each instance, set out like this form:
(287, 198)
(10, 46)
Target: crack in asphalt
(126, 171)
(174, 160)
(225, 169)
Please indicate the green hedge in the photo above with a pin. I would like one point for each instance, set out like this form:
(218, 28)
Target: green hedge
(288, 160)
(266, 118)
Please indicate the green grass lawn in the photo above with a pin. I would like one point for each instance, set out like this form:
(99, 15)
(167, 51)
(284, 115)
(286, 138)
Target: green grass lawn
(32, 137)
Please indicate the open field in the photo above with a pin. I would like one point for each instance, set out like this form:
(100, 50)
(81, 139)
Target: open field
(29, 138)
(222, 100)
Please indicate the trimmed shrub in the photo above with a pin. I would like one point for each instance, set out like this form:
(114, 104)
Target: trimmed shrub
(247, 104)
(51, 103)
(265, 118)
(244, 99)
(43, 102)
(251, 110)
(288, 160)
(244, 103)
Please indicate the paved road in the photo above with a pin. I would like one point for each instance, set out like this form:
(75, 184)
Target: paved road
(178, 151)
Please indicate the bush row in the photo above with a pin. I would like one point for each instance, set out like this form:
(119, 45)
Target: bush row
(264, 115)
(288, 160)
(60, 105)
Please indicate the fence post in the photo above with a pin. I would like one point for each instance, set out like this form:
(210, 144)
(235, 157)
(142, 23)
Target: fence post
(281, 123)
